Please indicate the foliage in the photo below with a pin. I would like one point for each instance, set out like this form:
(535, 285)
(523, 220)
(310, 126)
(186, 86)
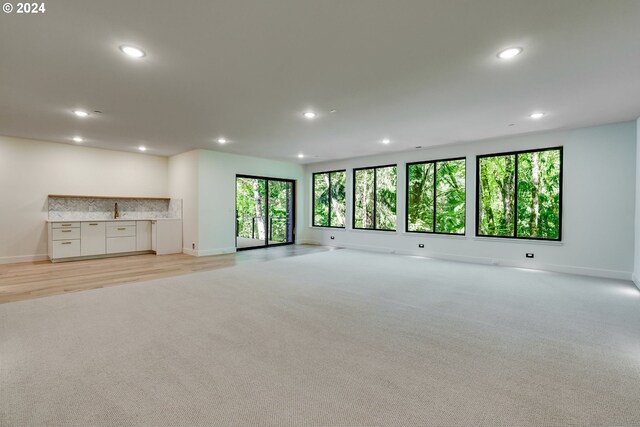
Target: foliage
(375, 198)
(329, 202)
(251, 202)
(436, 197)
(538, 195)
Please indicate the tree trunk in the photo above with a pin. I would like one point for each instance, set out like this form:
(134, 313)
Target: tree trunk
(507, 192)
(417, 191)
(535, 194)
(488, 210)
(335, 206)
(258, 203)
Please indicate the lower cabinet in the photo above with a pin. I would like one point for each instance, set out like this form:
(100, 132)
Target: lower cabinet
(66, 248)
(100, 238)
(92, 238)
(121, 236)
(143, 235)
(64, 239)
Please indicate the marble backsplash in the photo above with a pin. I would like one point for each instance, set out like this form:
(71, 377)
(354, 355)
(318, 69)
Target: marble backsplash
(65, 209)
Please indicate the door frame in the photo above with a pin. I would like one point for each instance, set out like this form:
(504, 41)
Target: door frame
(293, 211)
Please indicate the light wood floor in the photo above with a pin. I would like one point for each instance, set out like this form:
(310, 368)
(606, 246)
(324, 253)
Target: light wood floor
(39, 279)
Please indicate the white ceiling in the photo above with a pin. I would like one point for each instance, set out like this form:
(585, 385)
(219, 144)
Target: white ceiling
(416, 71)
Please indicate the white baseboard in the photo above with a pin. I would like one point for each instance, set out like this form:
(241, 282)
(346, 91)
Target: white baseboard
(215, 251)
(188, 251)
(23, 258)
(568, 269)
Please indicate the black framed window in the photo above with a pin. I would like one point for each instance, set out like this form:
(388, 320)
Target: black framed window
(329, 199)
(436, 196)
(374, 198)
(519, 194)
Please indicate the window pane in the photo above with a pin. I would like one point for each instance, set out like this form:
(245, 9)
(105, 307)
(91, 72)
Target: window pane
(420, 197)
(497, 196)
(321, 199)
(539, 194)
(338, 199)
(363, 202)
(450, 196)
(386, 198)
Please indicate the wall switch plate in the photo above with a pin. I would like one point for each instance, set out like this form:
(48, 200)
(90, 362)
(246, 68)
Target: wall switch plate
(421, 245)
(333, 237)
(529, 255)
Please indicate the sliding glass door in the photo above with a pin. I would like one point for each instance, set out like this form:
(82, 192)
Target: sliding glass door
(265, 212)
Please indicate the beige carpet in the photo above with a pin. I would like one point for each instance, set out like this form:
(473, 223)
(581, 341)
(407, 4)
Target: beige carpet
(333, 338)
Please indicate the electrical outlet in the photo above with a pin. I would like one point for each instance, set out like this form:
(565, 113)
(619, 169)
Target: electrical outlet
(333, 237)
(421, 245)
(529, 255)
(193, 245)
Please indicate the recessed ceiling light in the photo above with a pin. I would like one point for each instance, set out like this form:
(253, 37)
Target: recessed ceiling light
(509, 53)
(386, 141)
(333, 111)
(537, 115)
(80, 113)
(77, 139)
(301, 156)
(131, 51)
(309, 115)
(142, 148)
(222, 140)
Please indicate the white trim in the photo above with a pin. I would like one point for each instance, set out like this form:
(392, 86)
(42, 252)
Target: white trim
(191, 252)
(23, 258)
(635, 280)
(557, 268)
(215, 251)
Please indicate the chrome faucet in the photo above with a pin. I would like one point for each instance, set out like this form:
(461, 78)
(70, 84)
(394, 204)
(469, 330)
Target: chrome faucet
(116, 214)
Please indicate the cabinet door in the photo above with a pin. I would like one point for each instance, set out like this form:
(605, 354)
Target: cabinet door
(92, 239)
(168, 236)
(143, 235)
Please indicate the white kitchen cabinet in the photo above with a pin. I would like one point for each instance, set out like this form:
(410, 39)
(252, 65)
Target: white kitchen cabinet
(143, 235)
(64, 240)
(121, 236)
(66, 248)
(100, 238)
(167, 236)
(92, 238)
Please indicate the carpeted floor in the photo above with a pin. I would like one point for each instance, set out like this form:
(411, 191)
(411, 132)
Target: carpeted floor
(332, 338)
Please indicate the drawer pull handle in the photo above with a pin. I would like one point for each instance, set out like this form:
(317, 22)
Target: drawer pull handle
(95, 223)
(65, 225)
(66, 243)
(121, 228)
(66, 231)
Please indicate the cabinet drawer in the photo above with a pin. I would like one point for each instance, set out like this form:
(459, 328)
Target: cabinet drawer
(66, 248)
(65, 225)
(120, 223)
(66, 233)
(121, 244)
(122, 231)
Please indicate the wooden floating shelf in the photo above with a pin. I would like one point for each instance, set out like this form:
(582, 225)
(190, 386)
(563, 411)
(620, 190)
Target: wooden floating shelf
(64, 196)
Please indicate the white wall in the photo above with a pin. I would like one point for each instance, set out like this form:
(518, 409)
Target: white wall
(636, 267)
(216, 195)
(183, 184)
(30, 170)
(598, 205)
